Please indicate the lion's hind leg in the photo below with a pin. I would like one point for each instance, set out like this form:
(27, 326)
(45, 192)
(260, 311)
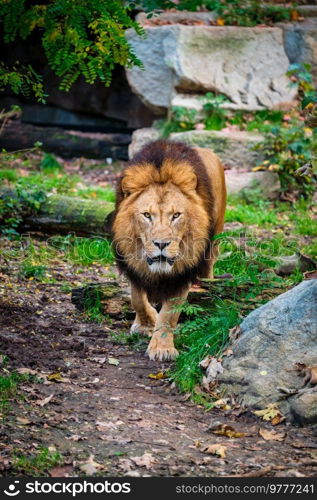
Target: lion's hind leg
(146, 314)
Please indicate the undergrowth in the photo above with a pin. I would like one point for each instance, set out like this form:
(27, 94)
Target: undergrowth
(37, 464)
(9, 386)
(249, 257)
(33, 177)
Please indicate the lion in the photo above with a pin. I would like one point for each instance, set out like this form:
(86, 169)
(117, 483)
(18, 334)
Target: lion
(170, 205)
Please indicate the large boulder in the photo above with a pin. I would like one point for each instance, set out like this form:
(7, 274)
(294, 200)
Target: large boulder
(248, 65)
(300, 41)
(140, 138)
(275, 340)
(236, 149)
(267, 182)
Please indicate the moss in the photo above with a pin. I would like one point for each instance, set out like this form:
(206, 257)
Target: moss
(217, 144)
(203, 42)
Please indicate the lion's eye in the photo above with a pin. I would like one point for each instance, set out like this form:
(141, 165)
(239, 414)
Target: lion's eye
(176, 215)
(147, 215)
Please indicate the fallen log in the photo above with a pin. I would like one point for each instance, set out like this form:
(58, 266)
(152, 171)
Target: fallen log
(59, 214)
(65, 143)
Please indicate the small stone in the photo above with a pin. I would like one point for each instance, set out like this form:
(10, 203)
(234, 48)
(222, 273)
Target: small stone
(304, 407)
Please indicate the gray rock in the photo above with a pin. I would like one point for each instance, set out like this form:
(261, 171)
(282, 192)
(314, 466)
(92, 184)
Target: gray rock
(178, 17)
(155, 83)
(273, 339)
(287, 264)
(268, 182)
(304, 407)
(140, 138)
(300, 41)
(235, 149)
(307, 10)
(248, 65)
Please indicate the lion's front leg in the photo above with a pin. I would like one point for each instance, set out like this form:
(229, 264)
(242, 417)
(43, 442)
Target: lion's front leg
(146, 314)
(161, 346)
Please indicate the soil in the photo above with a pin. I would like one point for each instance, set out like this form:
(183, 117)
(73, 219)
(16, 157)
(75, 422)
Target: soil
(114, 416)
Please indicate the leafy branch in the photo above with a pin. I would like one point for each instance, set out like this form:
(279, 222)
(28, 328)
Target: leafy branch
(83, 38)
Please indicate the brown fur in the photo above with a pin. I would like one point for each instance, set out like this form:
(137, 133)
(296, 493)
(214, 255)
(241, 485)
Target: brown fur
(167, 178)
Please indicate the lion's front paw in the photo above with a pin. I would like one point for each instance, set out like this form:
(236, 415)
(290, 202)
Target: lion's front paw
(142, 330)
(161, 347)
(164, 354)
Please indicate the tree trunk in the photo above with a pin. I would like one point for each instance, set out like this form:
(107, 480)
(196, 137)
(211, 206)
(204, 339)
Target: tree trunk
(64, 214)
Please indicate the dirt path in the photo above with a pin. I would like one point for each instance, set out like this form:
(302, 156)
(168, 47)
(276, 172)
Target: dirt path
(131, 424)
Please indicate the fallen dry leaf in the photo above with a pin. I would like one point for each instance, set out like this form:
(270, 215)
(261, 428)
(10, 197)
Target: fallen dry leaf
(295, 15)
(222, 403)
(258, 168)
(157, 376)
(215, 449)
(101, 426)
(278, 419)
(23, 421)
(57, 377)
(45, 401)
(101, 361)
(113, 361)
(268, 413)
(271, 435)
(76, 437)
(212, 365)
(61, 471)
(220, 21)
(228, 431)
(91, 467)
(146, 460)
(308, 372)
(28, 371)
(125, 464)
(234, 333)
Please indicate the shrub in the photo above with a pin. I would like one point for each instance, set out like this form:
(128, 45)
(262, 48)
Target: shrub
(83, 38)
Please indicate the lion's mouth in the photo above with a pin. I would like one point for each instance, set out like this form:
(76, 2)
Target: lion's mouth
(160, 259)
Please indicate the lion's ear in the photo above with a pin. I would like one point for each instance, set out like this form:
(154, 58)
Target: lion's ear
(191, 182)
(137, 178)
(186, 179)
(126, 186)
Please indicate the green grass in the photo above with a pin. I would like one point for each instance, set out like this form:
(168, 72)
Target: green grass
(49, 164)
(51, 177)
(58, 182)
(98, 193)
(84, 251)
(9, 175)
(29, 270)
(9, 383)
(37, 464)
(260, 213)
(311, 249)
(305, 225)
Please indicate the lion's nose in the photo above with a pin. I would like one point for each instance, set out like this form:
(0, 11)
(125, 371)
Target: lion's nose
(161, 244)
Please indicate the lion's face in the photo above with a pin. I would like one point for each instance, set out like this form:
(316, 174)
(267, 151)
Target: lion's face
(161, 228)
(161, 218)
